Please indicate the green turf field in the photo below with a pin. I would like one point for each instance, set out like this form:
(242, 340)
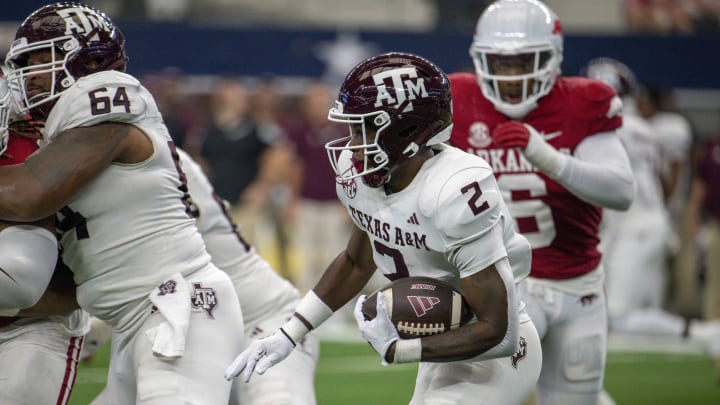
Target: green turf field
(351, 374)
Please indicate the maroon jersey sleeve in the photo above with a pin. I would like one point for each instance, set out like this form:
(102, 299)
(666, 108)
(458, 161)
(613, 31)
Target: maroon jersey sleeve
(18, 149)
(595, 103)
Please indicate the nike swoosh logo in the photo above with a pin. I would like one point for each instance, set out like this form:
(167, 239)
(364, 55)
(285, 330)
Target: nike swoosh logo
(551, 135)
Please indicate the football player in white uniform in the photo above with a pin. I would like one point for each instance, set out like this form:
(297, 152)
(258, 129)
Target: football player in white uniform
(109, 168)
(34, 329)
(420, 208)
(267, 300)
(635, 242)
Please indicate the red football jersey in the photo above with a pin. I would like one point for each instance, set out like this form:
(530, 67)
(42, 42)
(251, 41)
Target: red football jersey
(562, 229)
(18, 149)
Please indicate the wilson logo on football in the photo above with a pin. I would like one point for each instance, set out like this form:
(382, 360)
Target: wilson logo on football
(422, 305)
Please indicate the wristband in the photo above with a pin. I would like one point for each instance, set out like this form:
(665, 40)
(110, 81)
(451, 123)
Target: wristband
(543, 155)
(407, 351)
(309, 314)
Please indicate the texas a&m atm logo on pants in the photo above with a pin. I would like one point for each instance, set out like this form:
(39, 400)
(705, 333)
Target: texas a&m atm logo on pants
(203, 298)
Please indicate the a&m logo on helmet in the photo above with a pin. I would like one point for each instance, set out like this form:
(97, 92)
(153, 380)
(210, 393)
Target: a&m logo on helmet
(407, 87)
(82, 21)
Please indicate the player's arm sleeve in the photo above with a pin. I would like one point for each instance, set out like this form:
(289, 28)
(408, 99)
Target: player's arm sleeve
(27, 261)
(599, 172)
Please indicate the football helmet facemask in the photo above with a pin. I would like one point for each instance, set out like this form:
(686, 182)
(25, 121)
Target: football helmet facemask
(79, 39)
(395, 104)
(517, 45)
(6, 108)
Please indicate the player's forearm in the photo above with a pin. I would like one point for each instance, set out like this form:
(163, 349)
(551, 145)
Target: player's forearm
(47, 180)
(467, 342)
(348, 273)
(599, 173)
(602, 185)
(341, 282)
(21, 195)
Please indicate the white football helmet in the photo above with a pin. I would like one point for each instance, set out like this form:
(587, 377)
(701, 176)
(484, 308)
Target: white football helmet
(525, 29)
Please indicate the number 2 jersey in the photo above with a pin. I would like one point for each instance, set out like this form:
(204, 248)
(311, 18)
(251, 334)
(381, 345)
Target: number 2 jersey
(562, 228)
(448, 223)
(130, 228)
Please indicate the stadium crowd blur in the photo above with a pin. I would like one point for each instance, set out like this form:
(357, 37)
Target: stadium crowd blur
(261, 139)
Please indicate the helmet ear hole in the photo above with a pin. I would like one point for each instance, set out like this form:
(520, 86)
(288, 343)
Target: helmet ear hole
(70, 45)
(381, 119)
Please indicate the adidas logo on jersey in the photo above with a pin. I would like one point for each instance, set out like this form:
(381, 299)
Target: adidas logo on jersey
(413, 219)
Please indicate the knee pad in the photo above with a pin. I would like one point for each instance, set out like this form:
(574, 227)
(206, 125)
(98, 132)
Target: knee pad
(584, 358)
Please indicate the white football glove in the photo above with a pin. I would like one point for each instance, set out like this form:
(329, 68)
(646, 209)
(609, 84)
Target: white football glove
(260, 356)
(380, 331)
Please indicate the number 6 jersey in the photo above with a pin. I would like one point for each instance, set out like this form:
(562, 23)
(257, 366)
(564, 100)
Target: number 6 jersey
(448, 223)
(561, 227)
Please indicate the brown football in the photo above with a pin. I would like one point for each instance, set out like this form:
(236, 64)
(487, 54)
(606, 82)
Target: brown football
(421, 306)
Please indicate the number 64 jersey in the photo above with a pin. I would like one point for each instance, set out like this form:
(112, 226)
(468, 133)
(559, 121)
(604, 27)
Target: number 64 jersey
(121, 232)
(448, 223)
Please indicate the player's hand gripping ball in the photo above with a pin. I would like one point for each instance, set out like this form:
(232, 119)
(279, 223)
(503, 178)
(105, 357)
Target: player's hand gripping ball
(421, 306)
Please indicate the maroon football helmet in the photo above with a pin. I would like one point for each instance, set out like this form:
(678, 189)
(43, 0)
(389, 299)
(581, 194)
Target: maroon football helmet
(80, 40)
(613, 73)
(404, 100)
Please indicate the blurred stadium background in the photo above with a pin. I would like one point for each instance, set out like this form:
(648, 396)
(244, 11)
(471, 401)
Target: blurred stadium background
(293, 41)
(182, 49)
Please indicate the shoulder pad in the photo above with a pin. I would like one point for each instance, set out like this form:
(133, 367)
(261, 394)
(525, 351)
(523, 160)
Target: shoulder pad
(464, 200)
(593, 102)
(100, 97)
(600, 99)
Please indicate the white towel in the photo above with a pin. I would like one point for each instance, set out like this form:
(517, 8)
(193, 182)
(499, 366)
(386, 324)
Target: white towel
(172, 299)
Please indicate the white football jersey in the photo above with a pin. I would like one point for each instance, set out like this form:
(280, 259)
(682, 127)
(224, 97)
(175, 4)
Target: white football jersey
(448, 223)
(131, 227)
(262, 292)
(646, 159)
